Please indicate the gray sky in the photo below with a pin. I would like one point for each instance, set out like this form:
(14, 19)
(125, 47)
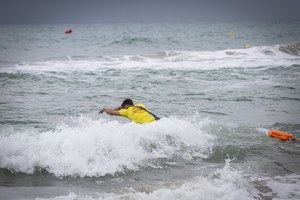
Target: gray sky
(102, 11)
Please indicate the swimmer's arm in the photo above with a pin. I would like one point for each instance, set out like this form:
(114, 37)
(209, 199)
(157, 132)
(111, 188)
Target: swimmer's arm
(111, 111)
(118, 108)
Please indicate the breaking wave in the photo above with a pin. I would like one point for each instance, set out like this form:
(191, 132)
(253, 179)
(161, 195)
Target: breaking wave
(100, 147)
(267, 56)
(225, 183)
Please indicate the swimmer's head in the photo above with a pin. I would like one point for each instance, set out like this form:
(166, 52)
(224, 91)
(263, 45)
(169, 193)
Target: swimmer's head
(126, 103)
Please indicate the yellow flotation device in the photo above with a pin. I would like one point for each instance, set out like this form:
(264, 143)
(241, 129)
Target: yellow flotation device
(246, 46)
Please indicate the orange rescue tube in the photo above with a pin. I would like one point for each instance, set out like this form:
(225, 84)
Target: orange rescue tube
(285, 136)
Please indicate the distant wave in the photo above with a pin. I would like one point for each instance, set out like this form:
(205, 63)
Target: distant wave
(261, 56)
(132, 40)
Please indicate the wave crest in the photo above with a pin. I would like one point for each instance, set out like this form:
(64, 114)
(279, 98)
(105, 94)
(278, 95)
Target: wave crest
(267, 56)
(96, 148)
(225, 183)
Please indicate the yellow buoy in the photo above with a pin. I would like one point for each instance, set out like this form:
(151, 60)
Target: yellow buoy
(247, 46)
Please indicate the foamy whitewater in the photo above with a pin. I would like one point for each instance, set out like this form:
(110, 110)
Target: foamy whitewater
(96, 148)
(177, 60)
(216, 100)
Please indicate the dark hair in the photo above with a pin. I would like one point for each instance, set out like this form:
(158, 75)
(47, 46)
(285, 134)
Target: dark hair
(127, 102)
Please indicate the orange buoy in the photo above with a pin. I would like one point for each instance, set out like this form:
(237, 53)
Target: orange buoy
(285, 136)
(68, 31)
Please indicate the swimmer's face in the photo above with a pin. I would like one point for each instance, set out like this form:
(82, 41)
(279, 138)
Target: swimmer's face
(126, 106)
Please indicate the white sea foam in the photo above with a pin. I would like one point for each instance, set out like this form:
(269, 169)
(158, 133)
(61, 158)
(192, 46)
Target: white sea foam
(283, 187)
(267, 56)
(226, 183)
(96, 148)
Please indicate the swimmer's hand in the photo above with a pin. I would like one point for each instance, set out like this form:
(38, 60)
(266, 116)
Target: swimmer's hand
(101, 111)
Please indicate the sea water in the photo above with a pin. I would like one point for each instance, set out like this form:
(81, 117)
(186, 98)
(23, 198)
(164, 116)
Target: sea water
(216, 100)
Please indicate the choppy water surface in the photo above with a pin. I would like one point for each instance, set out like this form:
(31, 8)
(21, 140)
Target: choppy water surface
(216, 100)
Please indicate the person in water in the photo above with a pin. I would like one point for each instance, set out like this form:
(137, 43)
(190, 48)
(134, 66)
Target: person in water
(137, 113)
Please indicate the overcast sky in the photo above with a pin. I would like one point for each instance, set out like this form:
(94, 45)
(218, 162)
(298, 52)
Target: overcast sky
(103, 11)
